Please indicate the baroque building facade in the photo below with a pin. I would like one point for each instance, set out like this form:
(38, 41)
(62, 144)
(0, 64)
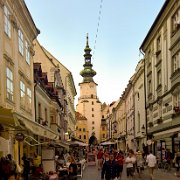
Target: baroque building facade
(70, 91)
(161, 47)
(62, 80)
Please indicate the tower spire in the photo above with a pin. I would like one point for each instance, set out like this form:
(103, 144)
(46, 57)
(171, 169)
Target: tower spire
(87, 43)
(87, 73)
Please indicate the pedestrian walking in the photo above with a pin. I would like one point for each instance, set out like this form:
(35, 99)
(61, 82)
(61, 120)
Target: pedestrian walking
(151, 161)
(120, 161)
(72, 169)
(139, 163)
(177, 163)
(26, 169)
(130, 161)
(110, 169)
(100, 158)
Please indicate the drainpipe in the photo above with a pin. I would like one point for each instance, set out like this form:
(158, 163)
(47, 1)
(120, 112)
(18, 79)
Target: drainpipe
(35, 99)
(134, 133)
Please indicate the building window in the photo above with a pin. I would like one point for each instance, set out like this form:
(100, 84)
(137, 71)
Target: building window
(79, 129)
(159, 78)
(176, 21)
(84, 130)
(93, 128)
(91, 95)
(149, 87)
(9, 81)
(79, 136)
(7, 23)
(149, 58)
(92, 122)
(92, 102)
(177, 100)
(138, 96)
(46, 115)
(84, 136)
(20, 42)
(103, 128)
(52, 119)
(29, 97)
(92, 115)
(159, 43)
(92, 109)
(39, 112)
(176, 61)
(27, 52)
(104, 136)
(139, 122)
(22, 93)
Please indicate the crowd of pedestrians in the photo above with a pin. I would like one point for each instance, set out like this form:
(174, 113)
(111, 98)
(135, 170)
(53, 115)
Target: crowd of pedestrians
(111, 164)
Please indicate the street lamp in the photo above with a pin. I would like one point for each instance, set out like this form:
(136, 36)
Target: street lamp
(143, 130)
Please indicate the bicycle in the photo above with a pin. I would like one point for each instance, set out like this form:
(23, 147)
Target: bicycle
(164, 165)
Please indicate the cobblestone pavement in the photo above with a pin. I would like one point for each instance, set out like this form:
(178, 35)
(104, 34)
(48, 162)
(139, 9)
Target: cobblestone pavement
(92, 173)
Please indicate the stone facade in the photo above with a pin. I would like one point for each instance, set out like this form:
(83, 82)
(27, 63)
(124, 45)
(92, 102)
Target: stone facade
(139, 104)
(162, 64)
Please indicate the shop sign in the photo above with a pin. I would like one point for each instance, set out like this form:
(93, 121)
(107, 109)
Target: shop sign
(19, 137)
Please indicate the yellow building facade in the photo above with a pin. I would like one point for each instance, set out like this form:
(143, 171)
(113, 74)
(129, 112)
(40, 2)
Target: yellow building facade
(81, 128)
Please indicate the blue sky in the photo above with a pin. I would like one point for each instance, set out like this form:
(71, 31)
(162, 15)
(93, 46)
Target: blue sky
(122, 28)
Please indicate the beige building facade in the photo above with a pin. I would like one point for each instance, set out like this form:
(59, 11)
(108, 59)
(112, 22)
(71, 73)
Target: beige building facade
(162, 62)
(16, 74)
(139, 105)
(130, 123)
(52, 65)
(121, 124)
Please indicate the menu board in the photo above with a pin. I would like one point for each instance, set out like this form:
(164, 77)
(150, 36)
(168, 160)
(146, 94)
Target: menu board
(79, 169)
(91, 159)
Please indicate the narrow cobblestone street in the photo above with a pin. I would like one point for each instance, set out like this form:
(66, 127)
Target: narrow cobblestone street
(92, 173)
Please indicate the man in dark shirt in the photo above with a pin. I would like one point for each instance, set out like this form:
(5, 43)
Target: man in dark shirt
(110, 169)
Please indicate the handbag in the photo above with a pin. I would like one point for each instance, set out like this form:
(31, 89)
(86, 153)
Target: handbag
(18, 169)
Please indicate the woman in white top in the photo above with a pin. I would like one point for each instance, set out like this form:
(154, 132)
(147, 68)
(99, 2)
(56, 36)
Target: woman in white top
(130, 161)
(151, 160)
(140, 162)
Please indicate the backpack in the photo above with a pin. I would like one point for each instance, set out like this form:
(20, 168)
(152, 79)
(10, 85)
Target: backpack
(13, 165)
(6, 167)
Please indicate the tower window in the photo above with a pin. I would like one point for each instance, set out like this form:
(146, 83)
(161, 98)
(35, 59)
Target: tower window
(138, 96)
(92, 102)
(92, 109)
(92, 115)
(91, 95)
(92, 122)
